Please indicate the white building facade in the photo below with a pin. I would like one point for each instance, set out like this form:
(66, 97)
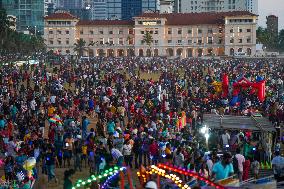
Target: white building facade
(166, 6)
(183, 35)
(193, 6)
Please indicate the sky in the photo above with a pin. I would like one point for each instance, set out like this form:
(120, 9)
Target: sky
(267, 7)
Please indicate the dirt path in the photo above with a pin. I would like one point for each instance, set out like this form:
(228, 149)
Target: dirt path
(42, 182)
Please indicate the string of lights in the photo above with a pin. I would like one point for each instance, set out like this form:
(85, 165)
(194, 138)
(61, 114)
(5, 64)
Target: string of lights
(110, 178)
(173, 177)
(110, 172)
(191, 174)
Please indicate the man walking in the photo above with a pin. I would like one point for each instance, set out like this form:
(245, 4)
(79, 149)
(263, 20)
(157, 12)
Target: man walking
(224, 168)
(278, 166)
(239, 165)
(50, 160)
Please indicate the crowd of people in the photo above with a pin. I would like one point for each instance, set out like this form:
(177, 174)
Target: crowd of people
(127, 111)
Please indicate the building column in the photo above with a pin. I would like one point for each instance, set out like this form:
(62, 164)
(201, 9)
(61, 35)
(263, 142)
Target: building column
(204, 51)
(183, 53)
(193, 52)
(163, 51)
(114, 52)
(215, 51)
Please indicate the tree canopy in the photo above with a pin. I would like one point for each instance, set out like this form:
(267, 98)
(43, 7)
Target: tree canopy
(147, 38)
(80, 47)
(274, 43)
(13, 42)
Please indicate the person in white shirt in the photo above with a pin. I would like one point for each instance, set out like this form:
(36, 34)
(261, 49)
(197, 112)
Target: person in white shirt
(127, 152)
(116, 155)
(52, 99)
(278, 166)
(33, 105)
(241, 160)
(225, 139)
(209, 164)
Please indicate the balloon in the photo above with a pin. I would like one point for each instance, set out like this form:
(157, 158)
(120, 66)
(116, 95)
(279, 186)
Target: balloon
(256, 86)
(217, 86)
(259, 78)
(261, 91)
(29, 164)
(225, 85)
(234, 100)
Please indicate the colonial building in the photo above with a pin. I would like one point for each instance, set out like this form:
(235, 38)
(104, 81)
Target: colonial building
(176, 34)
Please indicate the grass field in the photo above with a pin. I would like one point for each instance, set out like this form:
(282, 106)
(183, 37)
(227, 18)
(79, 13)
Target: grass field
(42, 181)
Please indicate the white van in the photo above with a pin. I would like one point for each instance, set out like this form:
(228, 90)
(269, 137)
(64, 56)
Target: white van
(240, 54)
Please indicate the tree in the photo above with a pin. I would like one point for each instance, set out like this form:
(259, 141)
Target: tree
(5, 26)
(38, 43)
(148, 39)
(13, 42)
(4, 21)
(264, 37)
(80, 47)
(281, 40)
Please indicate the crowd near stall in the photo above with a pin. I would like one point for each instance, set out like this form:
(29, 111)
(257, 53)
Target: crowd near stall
(146, 114)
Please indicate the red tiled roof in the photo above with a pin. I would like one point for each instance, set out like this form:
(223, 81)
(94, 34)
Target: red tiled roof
(104, 22)
(195, 18)
(57, 16)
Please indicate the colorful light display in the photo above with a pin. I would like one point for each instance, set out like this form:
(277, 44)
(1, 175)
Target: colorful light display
(191, 174)
(161, 172)
(172, 177)
(160, 169)
(110, 172)
(110, 178)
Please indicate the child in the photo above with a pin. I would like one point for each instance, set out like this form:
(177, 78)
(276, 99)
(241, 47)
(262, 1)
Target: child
(91, 160)
(60, 157)
(102, 164)
(255, 168)
(84, 154)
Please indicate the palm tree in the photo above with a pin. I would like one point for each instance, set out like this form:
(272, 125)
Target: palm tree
(148, 39)
(92, 43)
(80, 47)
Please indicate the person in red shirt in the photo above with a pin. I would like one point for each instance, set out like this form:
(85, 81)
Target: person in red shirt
(154, 152)
(10, 128)
(246, 169)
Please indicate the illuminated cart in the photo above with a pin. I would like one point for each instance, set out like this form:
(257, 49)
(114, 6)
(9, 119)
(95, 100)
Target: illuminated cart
(256, 125)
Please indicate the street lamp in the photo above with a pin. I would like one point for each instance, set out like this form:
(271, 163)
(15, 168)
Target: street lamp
(205, 131)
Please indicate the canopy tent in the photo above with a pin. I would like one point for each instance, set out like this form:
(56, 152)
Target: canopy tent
(231, 122)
